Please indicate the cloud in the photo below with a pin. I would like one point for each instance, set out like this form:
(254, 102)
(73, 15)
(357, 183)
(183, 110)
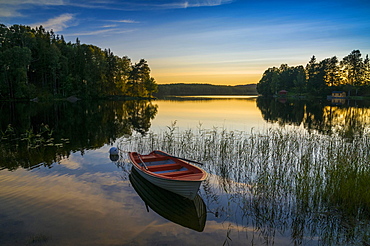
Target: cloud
(12, 8)
(174, 4)
(124, 21)
(71, 164)
(110, 31)
(127, 21)
(206, 3)
(109, 26)
(9, 12)
(58, 23)
(93, 32)
(34, 2)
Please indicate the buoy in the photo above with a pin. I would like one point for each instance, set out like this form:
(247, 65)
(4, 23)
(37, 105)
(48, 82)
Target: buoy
(113, 151)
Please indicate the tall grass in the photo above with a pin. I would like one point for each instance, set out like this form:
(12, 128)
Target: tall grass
(290, 181)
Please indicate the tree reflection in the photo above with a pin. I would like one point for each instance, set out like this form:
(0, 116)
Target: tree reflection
(281, 112)
(319, 116)
(140, 115)
(41, 134)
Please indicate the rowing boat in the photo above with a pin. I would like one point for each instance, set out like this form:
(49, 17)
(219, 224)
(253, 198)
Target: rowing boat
(169, 172)
(188, 213)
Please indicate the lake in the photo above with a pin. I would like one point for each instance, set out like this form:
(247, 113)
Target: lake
(281, 172)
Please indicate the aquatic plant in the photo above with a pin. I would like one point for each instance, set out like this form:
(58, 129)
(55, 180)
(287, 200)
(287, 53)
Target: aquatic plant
(281, 180)
(31, 148)
(38, 238)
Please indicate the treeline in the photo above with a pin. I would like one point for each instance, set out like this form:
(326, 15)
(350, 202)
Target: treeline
(319, 77)
(204, 89)
(35, 62)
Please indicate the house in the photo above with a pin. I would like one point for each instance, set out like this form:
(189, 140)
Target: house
(338, 94)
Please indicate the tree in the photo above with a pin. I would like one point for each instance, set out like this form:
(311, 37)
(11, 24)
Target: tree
(331, 71)
(315, 73)
(286, 76)
(352, 67)
(14, 65)
(150, 86)
(300, 79)
(42, 59)
(367, 70)
(269, 82)
(318, 78)
(139, 73)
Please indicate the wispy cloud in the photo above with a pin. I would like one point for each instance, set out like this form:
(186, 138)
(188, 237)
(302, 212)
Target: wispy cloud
(107, 32)
(174, 4)
(109, 26)
(12, 8)
(124, 21)
(127, 21)
(195, 3)
(34, 2)
(9, 12)
(58, 23)
(96, 32)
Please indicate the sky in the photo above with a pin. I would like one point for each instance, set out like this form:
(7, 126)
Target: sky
(227, 42)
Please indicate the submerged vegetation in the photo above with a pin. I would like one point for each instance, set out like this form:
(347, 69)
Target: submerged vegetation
(279, 181)
(39, 63)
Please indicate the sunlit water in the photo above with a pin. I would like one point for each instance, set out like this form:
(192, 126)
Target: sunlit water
(236, 113)
(84, 198)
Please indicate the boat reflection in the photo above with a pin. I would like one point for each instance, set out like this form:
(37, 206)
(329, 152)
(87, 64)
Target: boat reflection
(188, 213)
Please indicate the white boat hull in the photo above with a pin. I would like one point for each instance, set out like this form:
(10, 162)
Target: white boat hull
(185, 188)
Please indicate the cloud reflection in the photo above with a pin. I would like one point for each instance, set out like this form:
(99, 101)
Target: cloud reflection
(88, 208)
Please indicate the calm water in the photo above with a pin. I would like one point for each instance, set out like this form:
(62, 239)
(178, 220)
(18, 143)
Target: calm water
(58, 185)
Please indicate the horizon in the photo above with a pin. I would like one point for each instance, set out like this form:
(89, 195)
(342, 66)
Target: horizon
(218, 42)
(207, 84)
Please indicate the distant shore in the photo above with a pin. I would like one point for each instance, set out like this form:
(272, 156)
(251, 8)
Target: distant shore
(182, 89)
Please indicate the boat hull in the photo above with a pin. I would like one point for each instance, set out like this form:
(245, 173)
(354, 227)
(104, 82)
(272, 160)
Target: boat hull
(188, 213)
(186, 185)
(188, 189)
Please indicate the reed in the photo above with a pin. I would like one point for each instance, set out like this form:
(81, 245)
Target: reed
(38, 239)
(281, 179)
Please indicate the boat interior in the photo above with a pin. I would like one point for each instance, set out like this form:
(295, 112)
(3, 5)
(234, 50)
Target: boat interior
(164, 166)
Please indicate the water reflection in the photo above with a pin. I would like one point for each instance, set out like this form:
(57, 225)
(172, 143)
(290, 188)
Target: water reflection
(33, 134)
(310, 188)
(349, 121)
(265, 188)
(232, 113)
(188, 213)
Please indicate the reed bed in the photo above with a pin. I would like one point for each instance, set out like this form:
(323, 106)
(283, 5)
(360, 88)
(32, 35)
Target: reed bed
(313, 187)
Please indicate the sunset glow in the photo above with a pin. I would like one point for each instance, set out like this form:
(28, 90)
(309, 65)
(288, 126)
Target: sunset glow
(219, 42)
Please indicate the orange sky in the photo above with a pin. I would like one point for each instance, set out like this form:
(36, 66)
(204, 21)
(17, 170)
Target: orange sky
(217, 79)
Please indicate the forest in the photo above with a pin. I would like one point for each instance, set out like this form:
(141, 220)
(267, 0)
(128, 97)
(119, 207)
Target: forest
(39, 63)
(319, 78)
(181, 89)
